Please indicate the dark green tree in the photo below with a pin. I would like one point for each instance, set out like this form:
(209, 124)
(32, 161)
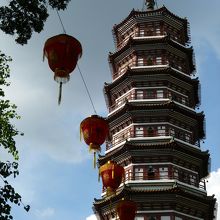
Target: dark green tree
(7, 141)
(20, 18)
(23, 17)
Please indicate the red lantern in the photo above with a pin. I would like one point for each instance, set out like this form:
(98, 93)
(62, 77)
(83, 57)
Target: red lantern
(94, 130)
(112, 175)
(62, 52)
(126, 209)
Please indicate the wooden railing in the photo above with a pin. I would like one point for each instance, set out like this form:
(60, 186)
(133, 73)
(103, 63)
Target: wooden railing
(121, 71)
(147, 133)
(136, 96)
(142, 176)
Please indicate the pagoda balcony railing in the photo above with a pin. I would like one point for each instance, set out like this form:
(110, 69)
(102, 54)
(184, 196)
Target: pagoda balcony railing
(148, 35)
(138, 35)
(142, 177)
(164, 94)
(151, 132)
(146, 64)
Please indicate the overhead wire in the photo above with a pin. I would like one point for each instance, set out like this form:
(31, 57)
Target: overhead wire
(84, 82)
(87, 90)
(61, 22)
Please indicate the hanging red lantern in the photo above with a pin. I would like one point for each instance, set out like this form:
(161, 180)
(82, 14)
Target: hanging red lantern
(126, 209)
(94, 130)
(62, 52)
(112, 175)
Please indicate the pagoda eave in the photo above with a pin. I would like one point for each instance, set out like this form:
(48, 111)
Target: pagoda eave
(151, 40)
(176, 196)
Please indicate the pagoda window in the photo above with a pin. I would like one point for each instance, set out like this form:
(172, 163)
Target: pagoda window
(152, 218)
(141, 33)
(160, 94)
(149, 61)
(127, 175)
(140, 61)
(150, 132)
(187, 137)
(185, 177)
(150, 31)
(192, 179)
(150, 94)
(158, 30)
(158, 60)
(161, 130)
(139, 94)
(139, 173)
(176, 174)
(139, 131)
(163, 171)
(183, 100)
(179, 135)
(169, 94)
(151, 173)
(118, 138)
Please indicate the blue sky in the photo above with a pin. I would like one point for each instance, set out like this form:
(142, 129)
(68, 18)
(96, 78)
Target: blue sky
(56, 174)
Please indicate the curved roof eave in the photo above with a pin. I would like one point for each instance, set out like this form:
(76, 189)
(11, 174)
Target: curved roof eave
(134, 13)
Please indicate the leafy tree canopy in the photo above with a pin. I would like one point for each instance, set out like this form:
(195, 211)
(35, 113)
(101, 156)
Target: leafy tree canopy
(7, 135)
(23, 17)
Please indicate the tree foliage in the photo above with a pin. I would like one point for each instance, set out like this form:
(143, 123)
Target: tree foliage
(23, 17)
(7, 141)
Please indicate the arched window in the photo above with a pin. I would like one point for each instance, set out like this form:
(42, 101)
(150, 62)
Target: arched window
(150, 173)
(150, 132)
(139, 131)
(149, 61)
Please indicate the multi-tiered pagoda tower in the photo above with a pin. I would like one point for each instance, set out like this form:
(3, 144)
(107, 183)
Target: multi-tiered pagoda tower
(155, 131)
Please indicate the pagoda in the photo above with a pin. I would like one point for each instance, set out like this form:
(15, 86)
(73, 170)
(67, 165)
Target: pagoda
(155, 129)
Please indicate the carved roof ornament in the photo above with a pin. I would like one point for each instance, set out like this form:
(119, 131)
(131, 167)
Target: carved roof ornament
(150, 4)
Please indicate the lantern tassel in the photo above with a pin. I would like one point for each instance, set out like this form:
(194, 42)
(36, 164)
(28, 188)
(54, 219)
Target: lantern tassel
(99, 175)
(113, 173)
(94, 159)
(60, 93)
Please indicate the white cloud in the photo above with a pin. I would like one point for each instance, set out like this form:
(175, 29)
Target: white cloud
(213, 186)
(45, 213)
(91, 217)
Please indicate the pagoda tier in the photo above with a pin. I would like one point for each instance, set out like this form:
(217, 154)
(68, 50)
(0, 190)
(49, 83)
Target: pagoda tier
(143, 120)
(159, 51)
(165, 201)
(154, 129)
(170, 159)
(160, 22)
(152, 83)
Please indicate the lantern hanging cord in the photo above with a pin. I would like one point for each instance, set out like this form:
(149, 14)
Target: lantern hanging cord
(61, 22)
(87, 90)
